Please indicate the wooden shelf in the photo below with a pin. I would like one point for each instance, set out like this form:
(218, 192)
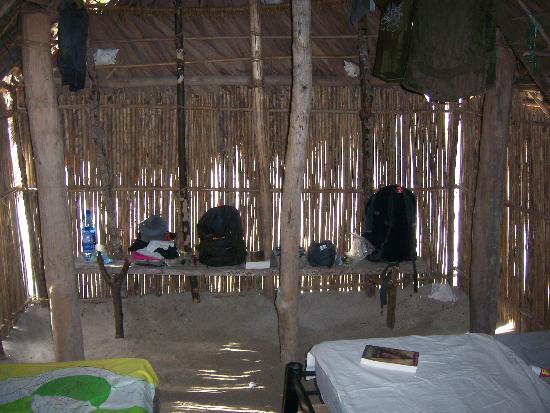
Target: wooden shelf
(363, 267)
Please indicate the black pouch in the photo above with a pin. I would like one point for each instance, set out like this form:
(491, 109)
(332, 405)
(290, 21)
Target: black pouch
(321, 254)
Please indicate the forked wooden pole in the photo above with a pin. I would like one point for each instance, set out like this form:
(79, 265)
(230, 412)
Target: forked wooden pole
(115, 282)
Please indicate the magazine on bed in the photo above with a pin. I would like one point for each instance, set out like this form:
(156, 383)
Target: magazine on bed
(390, 358)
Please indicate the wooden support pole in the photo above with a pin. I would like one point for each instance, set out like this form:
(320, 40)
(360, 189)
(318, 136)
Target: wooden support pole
(365, 77)
(182, 158)
(115, 283)
(47, 141)
(392, 297)
(489, 195)
(33, 225)
(287, 298)
(108, 200)
(263, 173)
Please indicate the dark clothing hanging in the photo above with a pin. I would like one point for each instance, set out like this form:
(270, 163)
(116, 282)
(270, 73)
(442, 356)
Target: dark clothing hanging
(72, 39)
(452, 49)
(392, 49)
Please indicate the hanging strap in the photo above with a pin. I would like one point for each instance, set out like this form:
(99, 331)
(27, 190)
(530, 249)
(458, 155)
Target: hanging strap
(391, 224)
(384, 277)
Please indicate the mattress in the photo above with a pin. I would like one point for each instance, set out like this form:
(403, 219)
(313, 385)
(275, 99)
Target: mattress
(127, 385)
(456, 373)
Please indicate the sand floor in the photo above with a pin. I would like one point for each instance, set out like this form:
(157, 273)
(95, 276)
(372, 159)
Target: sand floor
(222, 355)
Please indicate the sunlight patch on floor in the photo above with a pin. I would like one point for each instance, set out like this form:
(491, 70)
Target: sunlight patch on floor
(197, 407)
(225, 377)
(506, 328)
(236, 347)
(223, 389)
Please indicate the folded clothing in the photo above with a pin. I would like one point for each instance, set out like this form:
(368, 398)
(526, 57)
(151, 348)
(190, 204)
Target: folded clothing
(141, 257)
(137, 245)
(156, 248)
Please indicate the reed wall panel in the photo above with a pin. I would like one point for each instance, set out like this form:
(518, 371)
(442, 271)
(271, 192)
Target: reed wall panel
(411, 138)
(13, 284)
(415, 144)
(525, 277)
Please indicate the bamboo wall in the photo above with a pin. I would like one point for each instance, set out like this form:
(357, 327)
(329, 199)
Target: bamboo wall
(417, 144)
(412, 142)
(525, 281)
(13, 287)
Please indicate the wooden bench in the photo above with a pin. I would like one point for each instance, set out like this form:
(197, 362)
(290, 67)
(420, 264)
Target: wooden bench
(119, 271)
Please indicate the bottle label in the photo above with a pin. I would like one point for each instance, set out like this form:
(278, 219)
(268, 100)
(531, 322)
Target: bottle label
(88, 242)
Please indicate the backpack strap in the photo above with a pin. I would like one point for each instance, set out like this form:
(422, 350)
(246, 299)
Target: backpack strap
(415, 276)
(410, 205)
(391, 223)
(384, 287)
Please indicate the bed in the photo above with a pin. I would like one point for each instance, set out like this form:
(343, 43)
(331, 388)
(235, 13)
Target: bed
(128, 385)
(456, 373)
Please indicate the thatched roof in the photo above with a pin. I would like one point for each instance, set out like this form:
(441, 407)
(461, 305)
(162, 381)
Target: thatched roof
(217, 40)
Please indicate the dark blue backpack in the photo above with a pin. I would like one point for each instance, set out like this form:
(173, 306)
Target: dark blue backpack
(221, 237)
(390, 224)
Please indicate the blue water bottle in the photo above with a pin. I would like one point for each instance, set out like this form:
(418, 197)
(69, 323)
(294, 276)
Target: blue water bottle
(88, 237)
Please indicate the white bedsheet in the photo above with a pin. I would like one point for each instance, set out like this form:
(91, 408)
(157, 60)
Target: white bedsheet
(456, 373)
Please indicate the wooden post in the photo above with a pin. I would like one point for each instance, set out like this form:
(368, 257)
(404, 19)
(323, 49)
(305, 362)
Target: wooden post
(392, 297)
(108, 201)
(33, 222)
(182, 159)
(365, 77)
(489, 195)
(47, 141)
(265, 197)
(287, 298)
(115, 283)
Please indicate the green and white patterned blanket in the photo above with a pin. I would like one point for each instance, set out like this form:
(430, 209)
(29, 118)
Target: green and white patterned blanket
(114, 385)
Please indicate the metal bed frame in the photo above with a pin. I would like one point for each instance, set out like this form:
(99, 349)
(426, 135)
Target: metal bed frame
(295, 397)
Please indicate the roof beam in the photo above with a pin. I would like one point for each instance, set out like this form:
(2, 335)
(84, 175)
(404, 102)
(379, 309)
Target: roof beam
(216, 38)
(224, 80)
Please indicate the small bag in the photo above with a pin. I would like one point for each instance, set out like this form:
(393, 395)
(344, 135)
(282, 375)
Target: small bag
(321, 254)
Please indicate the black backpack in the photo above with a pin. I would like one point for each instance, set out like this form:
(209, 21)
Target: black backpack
(390, 224)
(321, 254)
(221, 237)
